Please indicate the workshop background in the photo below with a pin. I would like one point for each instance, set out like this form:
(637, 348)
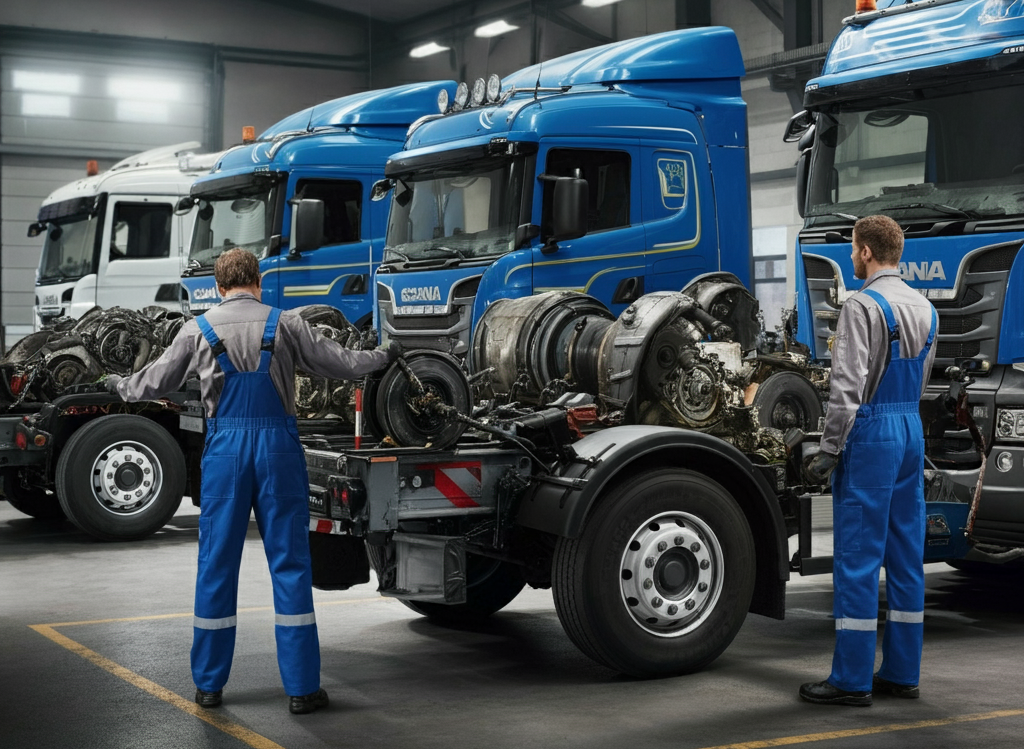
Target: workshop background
(124, 77)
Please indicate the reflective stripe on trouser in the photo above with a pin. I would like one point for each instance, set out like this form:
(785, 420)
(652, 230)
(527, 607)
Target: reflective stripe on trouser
(253, 462)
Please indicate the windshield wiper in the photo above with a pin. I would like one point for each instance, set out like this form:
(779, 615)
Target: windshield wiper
(847, 216)
(447, 252)
(941, 208)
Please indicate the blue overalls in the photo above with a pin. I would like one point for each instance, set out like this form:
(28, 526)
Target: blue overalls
(878, 515)
(253, 461)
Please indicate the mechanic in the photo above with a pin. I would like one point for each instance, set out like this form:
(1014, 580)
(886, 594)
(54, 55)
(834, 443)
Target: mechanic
(882, 356)
(245, 355)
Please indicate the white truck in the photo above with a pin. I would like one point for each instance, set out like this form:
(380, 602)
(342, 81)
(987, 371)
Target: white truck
(116, 239)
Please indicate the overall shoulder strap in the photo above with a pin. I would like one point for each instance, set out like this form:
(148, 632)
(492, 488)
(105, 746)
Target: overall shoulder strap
(267, 344)
(890, 321)
(216, 345)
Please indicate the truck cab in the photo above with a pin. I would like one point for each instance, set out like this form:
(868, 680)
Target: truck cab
(911, 118)
(324, 159)
(615, 171)
(114, 239)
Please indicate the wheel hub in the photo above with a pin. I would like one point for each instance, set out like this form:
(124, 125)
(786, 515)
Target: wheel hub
(671, 574)
(126, 477)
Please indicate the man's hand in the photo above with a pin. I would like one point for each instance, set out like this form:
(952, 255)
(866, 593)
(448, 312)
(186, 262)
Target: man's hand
(818, 467)
(393, 349)
(110, 382)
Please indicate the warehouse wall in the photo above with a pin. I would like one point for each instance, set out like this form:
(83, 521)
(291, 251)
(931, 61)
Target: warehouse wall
(278, 60)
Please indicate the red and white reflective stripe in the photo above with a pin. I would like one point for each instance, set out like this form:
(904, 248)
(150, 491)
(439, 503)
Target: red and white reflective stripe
(458, 482)
(325, 526)
(359, 418)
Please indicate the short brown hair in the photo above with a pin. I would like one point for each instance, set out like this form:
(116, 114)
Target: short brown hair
(235, 268)
(883, 235)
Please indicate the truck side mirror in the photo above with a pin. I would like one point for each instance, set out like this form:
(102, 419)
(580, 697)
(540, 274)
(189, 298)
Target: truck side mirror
(380, 189)
(569, 210)
(798, 124)
(184, 205)
(307, 226)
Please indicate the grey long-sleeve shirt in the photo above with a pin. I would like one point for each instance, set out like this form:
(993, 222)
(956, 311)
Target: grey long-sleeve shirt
(861, 345)
(238, 322)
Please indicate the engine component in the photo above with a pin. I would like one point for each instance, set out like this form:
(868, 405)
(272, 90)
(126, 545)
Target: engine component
(526, 341)
(419, 398)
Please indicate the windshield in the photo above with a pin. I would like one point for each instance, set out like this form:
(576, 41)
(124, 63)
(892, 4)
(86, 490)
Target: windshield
(948, 153)
(466, 211)
(69, 250)
(245, 218)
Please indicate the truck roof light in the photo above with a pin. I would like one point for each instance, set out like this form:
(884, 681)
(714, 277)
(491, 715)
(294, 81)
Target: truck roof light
(92, 168)
(479, 91)
(493, 88)
(442, 100)
(461, 96)
(248, 134)
(866, 6)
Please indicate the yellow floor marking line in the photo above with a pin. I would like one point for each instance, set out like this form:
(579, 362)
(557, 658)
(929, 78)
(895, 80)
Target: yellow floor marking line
(217, 720)
(849, 733)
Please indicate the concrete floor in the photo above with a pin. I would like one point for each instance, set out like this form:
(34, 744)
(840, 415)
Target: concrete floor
(94, 641)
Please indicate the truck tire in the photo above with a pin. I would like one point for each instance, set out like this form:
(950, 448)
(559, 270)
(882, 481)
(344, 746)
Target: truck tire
(120, 477)
(37, 503)
(492, 586)
(785, 400)
(661, 578)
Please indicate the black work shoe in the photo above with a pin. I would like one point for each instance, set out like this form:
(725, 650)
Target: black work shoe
(308, 703)
(884, 686)
(823, 693)
(209, 699)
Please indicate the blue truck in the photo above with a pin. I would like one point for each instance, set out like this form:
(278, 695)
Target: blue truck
(909, 119)
(589, 401)
(325, 158)
(582, 173)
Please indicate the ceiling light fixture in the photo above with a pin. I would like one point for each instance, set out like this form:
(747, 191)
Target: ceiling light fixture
(598, 3)
(425, 50)
(495, 28)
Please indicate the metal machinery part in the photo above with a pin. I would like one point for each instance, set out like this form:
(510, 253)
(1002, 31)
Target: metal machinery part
(525, 342)
(45, 364)
(671, 358)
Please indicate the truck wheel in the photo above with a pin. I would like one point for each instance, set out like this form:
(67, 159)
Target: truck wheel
(37, 503)
(785, 400)
(661, 578)
(120, 477)
(492, 586)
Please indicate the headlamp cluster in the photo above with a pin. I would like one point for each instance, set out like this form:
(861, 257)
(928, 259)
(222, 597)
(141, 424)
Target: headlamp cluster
(488, 91)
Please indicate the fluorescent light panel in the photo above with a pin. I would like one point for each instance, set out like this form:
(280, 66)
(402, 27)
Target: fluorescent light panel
(51, 83)
(144, 89)
(495, 28)
(45, 105)
(142, 111)
(598, 3)
(425, 50)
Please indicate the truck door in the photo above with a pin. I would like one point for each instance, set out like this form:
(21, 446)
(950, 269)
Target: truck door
(608, 262)
(678, 217)
(338, 272)
(137, 267)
